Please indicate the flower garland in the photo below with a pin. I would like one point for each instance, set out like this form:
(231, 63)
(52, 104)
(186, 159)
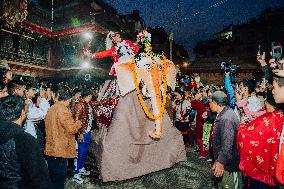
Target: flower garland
(141, 101)
(151, 55)
(144, 37)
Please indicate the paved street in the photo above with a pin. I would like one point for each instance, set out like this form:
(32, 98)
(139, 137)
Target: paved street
(193, 174)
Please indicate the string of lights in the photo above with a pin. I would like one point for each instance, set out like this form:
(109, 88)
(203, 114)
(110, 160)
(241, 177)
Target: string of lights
(203, 11)
(174, 21)
(198, 19)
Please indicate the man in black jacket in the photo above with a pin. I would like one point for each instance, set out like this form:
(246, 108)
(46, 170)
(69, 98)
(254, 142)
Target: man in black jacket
(224, 145)
(21, 162)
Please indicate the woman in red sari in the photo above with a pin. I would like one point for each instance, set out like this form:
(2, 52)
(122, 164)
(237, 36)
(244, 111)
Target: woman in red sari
(258, 143)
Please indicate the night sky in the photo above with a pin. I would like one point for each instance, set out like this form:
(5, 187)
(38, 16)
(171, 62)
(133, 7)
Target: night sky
(198, 19)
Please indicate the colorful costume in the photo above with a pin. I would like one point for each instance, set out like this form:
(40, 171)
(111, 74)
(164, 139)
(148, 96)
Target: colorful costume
(122, 53)
(126, 47)
(126, 150)
(258, 143)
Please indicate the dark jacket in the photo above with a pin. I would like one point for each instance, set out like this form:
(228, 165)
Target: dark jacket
(81, 112)
(22, 165)
(224, 140)
(268, 75)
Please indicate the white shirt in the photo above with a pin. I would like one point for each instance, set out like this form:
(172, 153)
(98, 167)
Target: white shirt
(181, 110)
(35, 114)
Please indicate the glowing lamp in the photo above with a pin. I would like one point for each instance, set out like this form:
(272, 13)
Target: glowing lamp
(88, 35)
(86, 65)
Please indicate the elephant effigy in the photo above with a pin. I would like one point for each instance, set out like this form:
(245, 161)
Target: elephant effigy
(156, 73)
(139, 138)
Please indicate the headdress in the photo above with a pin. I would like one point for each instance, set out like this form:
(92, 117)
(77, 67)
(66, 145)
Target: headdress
(109, 39)
(144, 37)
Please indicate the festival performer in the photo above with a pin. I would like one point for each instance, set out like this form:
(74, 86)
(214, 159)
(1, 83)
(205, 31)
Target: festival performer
(127, 150)
(121, 51)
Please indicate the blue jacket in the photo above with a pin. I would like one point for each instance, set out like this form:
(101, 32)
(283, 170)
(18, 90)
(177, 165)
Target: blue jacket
(230, 91)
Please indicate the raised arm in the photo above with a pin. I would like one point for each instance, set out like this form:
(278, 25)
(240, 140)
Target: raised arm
(229, 88)
(104, 54)
(265, 68)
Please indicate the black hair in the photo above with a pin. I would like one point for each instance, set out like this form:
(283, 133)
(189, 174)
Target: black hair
(270, 99)
(250, 84)
(11, 107)
(86, 92)
(205, 100)
(2, 85)
(44, 87)
(64, 93)
(279, 80)
(3, 72)
(29, 86)
(14, 84)
(76, 90)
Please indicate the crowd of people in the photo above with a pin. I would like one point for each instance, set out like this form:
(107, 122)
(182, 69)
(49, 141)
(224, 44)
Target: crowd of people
(237, 127)
(36, 156)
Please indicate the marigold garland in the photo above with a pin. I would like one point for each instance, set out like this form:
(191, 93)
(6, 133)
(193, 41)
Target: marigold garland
(141, 101)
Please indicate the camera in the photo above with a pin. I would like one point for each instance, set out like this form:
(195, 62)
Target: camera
(277, 55)
(228, 67)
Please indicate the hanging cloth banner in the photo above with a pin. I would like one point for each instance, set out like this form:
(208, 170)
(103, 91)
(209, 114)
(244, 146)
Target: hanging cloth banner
(61, 33)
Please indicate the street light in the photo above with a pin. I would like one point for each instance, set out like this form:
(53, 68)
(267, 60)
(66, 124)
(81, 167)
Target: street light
(185, 64)
(86, 65)
(88, 35)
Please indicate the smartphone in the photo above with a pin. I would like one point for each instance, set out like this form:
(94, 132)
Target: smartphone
(277, 54)
(259, 51)
(276, 51)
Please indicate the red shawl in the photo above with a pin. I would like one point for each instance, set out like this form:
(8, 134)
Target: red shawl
(258, 143)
